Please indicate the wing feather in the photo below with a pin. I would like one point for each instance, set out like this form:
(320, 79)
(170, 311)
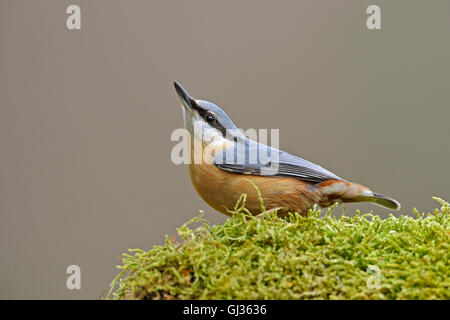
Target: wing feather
(263, 160)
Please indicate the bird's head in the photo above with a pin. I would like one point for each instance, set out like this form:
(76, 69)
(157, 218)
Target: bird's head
(205, 120)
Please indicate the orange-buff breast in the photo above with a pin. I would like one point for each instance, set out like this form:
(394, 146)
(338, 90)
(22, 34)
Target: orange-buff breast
(222, 189)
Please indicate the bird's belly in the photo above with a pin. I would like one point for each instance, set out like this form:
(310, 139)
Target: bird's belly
(222, 189)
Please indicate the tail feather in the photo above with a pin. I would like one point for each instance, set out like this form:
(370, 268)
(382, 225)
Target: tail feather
(385, 201)
(345, 191)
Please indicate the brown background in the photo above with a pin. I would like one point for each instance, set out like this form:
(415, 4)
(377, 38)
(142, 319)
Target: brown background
(86, 116)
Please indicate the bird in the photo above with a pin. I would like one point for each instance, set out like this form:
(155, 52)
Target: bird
(227, 164)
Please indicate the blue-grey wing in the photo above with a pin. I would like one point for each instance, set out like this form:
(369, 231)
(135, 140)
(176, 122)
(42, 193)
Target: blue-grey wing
(253, 158)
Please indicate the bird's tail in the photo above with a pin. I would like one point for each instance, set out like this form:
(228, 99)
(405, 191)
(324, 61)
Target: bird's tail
(381, 200)
(343, 191)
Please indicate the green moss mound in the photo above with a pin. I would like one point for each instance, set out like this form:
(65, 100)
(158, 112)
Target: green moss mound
(297, 257)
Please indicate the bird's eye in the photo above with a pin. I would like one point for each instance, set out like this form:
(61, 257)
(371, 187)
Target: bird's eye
(210, 118)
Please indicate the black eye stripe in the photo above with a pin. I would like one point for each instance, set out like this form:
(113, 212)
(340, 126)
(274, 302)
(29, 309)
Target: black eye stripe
(204, 114)
(214, 122)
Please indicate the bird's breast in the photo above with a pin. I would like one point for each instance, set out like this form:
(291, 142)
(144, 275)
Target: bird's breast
(222, 189)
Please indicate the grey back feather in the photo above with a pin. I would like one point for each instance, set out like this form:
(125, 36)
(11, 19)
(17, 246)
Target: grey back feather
(254, 158)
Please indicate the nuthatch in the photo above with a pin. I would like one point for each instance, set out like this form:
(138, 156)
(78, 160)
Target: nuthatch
(286, 183)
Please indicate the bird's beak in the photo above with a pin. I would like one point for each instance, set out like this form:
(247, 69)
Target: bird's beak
(185, 98)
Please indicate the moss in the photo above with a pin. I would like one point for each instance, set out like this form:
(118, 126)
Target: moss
(297, 257)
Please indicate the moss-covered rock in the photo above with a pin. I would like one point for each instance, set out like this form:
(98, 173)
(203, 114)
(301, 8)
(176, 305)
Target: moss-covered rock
(298, 257)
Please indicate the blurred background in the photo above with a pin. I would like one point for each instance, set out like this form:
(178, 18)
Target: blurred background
(86, 116)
